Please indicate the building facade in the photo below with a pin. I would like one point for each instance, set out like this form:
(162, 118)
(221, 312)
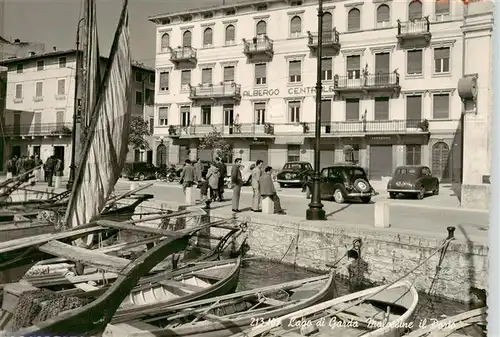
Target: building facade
(38, 117)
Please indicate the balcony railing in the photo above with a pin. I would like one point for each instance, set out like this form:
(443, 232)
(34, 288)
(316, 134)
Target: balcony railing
(331, 40)
(260, 45)
(414, 29)
(367, 81)
(236, 129)
(46, 129)
(225, 90)
(369, 127)
(181, 54)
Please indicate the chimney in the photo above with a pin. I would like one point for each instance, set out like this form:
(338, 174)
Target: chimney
(17, 41)
(54, 48)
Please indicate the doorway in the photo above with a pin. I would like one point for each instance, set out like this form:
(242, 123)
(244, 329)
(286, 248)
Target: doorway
(229, 117)
(36, 150)
(440, 161)
(59, 153)
(15, 151)
(161, 155)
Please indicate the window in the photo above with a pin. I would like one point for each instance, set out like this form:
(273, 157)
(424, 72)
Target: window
(294, 112)
(230, 12)
(164, 79)
(442, 60)
(261, 8)
(152, 78)
(165, 42)
(381, 108)
(138, 76)
(295, 71)
(206, 76)
(61, 87)
(62, 62)
(293, 153)
(208, 15)
(296, 3)
(413, 154)
(413, 110)
(295, 26)
(327, 26)
(260, 113)
(138, 97)
(352, 109)
(163, 116)
(353, 66)
(206, 115)
(39, 89)
(353, 157)
(415, 10)
(207, 37)
(442, 7)
(441, 106)
(229, 74)
(19, 68)
(260, 74)
(230, 35)
(149, 98)
(185, 79)
(151, 125)
(185, 116)
(261, 27)
(187, 18)
(414, 62)
(39, 65)
(326, 69)
(19, 91)
(383, 16)
(354, 20)
(186, 39)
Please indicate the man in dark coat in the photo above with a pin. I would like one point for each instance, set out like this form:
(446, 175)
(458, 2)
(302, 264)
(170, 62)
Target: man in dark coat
(187, 175)
(267, 190)
(237, 182)
(223, 173)
(49, 169)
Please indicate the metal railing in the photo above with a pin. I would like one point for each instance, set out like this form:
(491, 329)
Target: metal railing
(182, 53)
(45, 129)
(370, 127)
(414, 26)
(211, 91)
(258, 44)
(331, 37)
(364, 81)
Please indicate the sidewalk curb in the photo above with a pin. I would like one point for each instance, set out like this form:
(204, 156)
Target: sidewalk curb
(442, 208)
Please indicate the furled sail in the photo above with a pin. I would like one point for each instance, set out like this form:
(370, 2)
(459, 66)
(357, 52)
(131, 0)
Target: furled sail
(105, 149)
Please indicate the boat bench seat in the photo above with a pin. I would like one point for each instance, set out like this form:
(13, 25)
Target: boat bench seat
(177, 284)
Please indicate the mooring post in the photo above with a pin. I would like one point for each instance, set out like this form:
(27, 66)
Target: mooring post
(451, 232)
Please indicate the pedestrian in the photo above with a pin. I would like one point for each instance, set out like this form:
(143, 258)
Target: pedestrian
(198, 170)
(237, 182)
(256, 174)
(187, 175)
(20, 165)
(14, 166)
(213, 176)
(204, 191)
(267, 190)
(38, 171)
(223, 174)
(58, 168)
(10, 168)
(30, 165)
(49, 170)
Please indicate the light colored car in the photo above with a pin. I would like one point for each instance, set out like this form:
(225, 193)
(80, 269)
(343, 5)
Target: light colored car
(246, 173)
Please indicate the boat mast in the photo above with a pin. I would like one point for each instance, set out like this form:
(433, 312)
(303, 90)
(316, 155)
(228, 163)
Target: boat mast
(87, 52)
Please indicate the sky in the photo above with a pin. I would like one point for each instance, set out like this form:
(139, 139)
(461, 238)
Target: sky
(54, 22)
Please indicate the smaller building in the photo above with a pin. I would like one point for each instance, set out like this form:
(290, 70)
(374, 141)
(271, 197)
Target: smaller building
(19, 48)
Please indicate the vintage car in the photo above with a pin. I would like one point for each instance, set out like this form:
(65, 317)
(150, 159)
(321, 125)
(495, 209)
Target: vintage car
(414, 180)
(343, 182)
(139, 170)
(294, 173)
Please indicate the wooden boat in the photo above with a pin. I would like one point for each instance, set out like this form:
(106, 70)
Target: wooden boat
(225, 315)
(470, 323)
(374, 312)
(93, 317)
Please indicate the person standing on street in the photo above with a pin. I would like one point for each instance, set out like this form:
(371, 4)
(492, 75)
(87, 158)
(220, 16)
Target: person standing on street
(223, 173)
(256, 173)
(267, 190)
(187, 175)
(237, 182)
(197, 170)
(213, 175)
(49, 170)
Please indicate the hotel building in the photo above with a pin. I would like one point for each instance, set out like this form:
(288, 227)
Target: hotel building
(390, 73)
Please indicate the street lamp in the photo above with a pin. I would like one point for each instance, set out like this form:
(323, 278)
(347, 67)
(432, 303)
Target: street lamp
(315, 210)
(161, 152)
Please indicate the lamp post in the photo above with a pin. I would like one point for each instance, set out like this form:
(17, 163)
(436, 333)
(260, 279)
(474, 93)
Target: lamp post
(316, 211)
(161, 153)
(75, 109)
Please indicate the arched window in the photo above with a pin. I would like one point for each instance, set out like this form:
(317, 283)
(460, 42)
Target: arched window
(383, 15)
(442, 7)
(230, 34)
(295, 26)
(353, 20)
(261, 27)
(207, 37)
(327, 26)
(165, 42)
(415, 10)
(186, 39)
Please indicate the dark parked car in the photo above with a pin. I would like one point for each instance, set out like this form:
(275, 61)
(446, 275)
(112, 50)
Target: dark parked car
(413, 180)
(139, 170)
(294, 173)
(343, 182)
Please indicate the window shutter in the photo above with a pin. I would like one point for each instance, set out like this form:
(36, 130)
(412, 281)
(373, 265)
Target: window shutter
(381, 108)
(326, 64)
(441, 106)
(185, 109)
(165, 41)
(61, 87)
(19, 91)
(163, 112)
(415, 62)
(260, 70)
(441, 53)
(354, 20)
(442, 7)
(352, 109)
(229, 74)
(207, 36)
(164, 80)
(382, 63)
(326, 111)
(296, 25)
(186, 39)
(414, 108)
(206, 75)
(260, 106)
(39, 89)
(415, 10)
(261, 27)
(295, 68)
(60, 117)
(230, 33)
(383, 13)
(186, 77)
(353, 62)
(327, 22)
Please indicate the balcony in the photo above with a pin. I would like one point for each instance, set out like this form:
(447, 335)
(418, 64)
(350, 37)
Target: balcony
(380, 83)
(259, 49)
(414, 33)
(183, 56)
(234, 130)
(38, 130)
(330, 42)
(224, 91)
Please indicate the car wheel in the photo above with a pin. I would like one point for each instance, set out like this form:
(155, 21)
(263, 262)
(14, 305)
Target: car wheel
(392, 195)
(362, 185)
(366, 200)
(141, 176)
(308, 192)
(421, 193)
(436, 191)
(338, 196)
(229, 185)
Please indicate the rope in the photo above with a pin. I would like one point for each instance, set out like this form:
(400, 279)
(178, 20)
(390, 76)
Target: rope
(287, 250)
